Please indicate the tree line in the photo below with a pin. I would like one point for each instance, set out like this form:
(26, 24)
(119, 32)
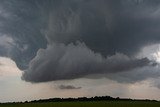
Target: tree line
(96, 98)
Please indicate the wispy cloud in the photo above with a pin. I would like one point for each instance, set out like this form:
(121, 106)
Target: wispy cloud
(68, 87)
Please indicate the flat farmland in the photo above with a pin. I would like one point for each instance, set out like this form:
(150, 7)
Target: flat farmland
(86, 104)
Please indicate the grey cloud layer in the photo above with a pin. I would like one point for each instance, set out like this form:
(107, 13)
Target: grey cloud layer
(45, 33)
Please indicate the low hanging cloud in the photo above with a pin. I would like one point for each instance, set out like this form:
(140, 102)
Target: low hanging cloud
(68, 87)
(59, 62)
(135, 75)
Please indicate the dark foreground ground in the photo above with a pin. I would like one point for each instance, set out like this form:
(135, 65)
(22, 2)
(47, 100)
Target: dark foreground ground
(86, 104)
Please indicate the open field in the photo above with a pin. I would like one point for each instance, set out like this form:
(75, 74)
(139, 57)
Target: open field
(87, 104)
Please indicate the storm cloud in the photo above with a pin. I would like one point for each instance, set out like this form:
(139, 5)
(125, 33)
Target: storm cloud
(59, 62)
(59, 39)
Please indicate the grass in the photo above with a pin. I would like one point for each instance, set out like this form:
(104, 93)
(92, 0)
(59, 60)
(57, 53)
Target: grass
(87, 104)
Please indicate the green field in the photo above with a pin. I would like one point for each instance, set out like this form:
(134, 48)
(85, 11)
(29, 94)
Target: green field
(88, 104)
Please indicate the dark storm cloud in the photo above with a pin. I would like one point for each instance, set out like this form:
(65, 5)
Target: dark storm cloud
(68, 87)
(103, 28)
(21, 20)
(59, 62)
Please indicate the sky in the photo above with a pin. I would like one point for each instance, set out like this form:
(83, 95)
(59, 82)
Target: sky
(79, 48)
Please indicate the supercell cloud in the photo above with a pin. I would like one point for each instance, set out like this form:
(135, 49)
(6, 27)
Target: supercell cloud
(59, 62)
(59, 39)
